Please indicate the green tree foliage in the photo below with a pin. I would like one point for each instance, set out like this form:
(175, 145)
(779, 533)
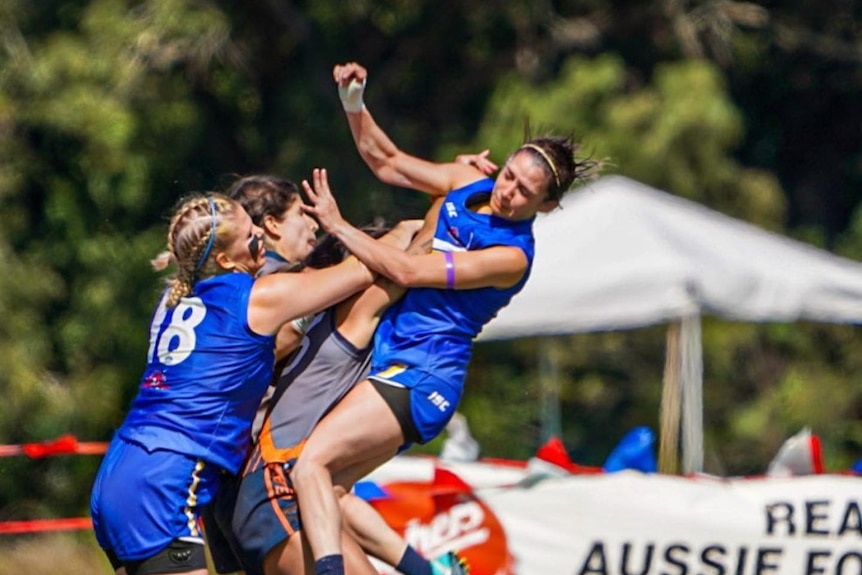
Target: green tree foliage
(676, 132)
(112, 109)
(89, 107)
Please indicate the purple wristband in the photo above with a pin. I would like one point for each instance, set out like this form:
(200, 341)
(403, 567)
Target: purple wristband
(450, 270)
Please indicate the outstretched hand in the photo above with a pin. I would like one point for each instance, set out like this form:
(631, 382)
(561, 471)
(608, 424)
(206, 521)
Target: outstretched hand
(323, 207)
(480, 161)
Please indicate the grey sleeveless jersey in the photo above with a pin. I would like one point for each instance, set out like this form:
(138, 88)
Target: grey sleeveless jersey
(274, 264)
(318, 374)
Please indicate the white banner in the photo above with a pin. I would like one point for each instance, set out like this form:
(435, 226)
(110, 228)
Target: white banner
(634, 524)
(630, 523)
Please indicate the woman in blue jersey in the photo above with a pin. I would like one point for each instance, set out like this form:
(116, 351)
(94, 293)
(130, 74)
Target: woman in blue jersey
(210, 359)
(482, 252)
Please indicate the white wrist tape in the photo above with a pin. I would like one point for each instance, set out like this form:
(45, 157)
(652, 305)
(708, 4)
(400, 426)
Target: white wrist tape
(351, 96)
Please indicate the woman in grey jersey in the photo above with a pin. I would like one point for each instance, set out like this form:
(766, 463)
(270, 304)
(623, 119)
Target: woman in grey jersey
(332, 356)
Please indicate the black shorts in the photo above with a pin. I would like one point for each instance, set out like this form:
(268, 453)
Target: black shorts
(398, 400)
(217, 516)
(178, 557)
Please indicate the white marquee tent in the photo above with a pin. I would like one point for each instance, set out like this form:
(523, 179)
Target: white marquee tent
(621, 255)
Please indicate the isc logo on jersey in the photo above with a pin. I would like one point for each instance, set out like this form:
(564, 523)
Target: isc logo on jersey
(451, 210)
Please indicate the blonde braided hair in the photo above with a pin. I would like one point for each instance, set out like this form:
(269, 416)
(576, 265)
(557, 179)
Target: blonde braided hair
(194, 237)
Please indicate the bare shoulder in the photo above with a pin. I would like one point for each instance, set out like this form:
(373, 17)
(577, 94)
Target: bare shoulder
(434, 178)
(273, 286)
(461, 175)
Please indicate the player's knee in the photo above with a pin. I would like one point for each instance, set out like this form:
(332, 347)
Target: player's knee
(348, 503)
(307, 471)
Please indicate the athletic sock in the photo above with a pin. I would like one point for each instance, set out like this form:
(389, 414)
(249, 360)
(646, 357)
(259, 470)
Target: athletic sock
(329, 565)
(413, 564)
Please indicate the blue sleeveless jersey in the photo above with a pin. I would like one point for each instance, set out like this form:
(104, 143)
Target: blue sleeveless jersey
(433, 329)
(206, 374)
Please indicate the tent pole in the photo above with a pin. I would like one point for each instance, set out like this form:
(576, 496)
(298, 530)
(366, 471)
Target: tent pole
(692, 394)
(549, 389)
(668, 458)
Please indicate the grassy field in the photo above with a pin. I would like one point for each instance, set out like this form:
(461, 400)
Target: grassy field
(73, 553)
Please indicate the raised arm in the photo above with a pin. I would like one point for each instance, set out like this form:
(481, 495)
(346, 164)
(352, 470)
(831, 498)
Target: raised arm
(491, 267)
(357, 316)
(282, 297)
(386, 160)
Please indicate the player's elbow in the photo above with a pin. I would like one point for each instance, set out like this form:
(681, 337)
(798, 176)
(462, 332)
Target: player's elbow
(389, 174)
(362, 277)
(404, 276)
(384, 165)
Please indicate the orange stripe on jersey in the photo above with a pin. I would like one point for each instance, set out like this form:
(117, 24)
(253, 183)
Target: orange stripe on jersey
(253, 460)
(273, 454)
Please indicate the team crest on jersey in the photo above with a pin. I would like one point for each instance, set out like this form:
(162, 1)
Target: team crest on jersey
(454, 234)
(155, 380)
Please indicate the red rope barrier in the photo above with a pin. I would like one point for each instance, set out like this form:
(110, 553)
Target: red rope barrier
(63, 445)
(36, 526)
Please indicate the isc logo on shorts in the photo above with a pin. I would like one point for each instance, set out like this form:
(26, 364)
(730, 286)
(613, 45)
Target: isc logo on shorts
(439, 401)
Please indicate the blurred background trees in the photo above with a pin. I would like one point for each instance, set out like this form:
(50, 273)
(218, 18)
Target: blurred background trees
(110, 110)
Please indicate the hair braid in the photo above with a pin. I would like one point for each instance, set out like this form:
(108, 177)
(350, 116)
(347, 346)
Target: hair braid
(189, 236)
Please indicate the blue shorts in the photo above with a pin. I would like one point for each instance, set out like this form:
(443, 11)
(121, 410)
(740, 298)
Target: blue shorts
(264, 512)
(142, 501)
(432, 400)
